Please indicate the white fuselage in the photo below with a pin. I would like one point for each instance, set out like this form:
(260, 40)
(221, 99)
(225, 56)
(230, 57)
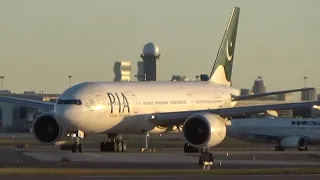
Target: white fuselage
(268, 129)
(122, 107)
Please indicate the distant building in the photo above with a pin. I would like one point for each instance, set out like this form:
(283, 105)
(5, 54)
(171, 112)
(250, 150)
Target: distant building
(285, 97)
(179, 78)
(122, 71)
(29, 92)
(5, 91)
(310, 95)
(140, 74)
(150, 57)
(258, 86)
(244, 92)
(15, 118)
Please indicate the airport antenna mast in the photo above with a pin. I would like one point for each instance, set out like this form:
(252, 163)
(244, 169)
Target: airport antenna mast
(1, 77)
(305, 81)
(69, 80)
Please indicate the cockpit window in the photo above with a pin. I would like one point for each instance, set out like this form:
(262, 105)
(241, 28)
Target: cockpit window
(69, 101)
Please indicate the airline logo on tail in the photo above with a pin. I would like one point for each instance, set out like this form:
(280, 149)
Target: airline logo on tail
(222, 69)
(228, 54)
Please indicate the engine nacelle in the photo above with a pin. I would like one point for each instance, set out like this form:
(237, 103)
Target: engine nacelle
(47, 130)
(205, 129)
(293, 142)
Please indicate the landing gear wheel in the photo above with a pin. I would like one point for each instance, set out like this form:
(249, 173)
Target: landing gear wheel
(74, 148)
(119, 146)
(206, 159)
(80, 148)
(303, 148)
(102, 147)
(115, 146)
(124, 146)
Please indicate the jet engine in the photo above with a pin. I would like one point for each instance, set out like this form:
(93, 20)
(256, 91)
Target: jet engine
(205, 129)
(293, 142)
(47, 130)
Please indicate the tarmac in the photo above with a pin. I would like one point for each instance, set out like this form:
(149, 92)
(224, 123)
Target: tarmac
(166, 158)
(219, 177)
(46, 157)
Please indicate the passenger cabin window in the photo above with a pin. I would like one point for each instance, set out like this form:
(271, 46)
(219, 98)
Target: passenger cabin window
(69, 101)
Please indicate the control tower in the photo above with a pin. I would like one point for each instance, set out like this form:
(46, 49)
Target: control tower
(258, 86)
(150, 57)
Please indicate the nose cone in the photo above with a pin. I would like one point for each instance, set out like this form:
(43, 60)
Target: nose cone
(67, 116)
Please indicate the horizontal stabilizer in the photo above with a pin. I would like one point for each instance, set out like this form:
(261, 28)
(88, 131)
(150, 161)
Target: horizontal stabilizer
(251, 96)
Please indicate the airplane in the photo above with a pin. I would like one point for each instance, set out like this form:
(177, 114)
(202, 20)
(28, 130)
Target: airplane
(284, 132)
(200, 110)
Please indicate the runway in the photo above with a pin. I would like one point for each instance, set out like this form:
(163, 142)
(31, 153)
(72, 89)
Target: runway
(92, 158)
(46, 157)
(219, 177)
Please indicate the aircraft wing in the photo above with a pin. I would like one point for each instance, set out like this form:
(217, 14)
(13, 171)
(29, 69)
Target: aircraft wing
(28, 103)
(178, 118)
(251, 96)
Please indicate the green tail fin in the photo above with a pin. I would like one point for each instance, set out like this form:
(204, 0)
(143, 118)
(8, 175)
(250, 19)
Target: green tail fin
(222, 69)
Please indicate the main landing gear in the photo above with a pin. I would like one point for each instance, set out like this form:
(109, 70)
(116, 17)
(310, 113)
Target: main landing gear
(305, 148)
(114, 145)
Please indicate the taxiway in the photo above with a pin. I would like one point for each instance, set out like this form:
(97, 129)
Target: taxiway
(182, 177)
(46, 157)
(92, 158)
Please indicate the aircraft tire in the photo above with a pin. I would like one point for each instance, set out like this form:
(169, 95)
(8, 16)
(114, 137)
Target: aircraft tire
(124, 146)
(80, 148)
(102, 147)
(74, 148)
(114, 146)
(303, 148)
(119, 146)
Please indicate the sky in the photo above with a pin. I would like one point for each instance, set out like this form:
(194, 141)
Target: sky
(42, 42)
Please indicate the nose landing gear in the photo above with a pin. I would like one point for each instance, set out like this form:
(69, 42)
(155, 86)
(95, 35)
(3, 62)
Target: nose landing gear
(76, 145)
(206, 158)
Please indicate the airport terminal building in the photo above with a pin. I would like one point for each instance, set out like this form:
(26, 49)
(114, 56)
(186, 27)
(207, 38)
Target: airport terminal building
(14, 118)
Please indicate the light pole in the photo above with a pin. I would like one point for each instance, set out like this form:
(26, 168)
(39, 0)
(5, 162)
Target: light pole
(305, 81)
(69, 80)
(1, 77)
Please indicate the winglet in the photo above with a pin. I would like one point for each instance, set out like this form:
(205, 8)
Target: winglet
(222, 69)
